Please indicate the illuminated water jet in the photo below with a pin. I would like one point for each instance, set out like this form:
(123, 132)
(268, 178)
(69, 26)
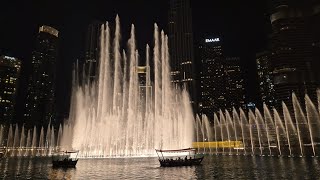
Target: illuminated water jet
(121, 114)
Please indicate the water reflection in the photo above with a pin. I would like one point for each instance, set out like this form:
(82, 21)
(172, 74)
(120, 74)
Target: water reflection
(61, 173)
(220, 167)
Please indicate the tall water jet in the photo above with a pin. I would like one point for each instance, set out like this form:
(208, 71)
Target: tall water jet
(237, 126)
(224, 129)
(48, 136)
(120, 114)
(301, 124)
(41, 142)
(263, 138)
(34, 141)
(16, 137)
(52, 141)
(293, 133)
(1, 134)
(117, 68)
(287, 122)
(230, 130)
(208, 130)
(270, 128)
(59, 135)
(244, 127)
(318, 96)
(148, 80)
(217, 131)
(253, 131)
(199, 131)
(280, 130)
(22, 141)
(10, 138)
(28, 145)
(313, 122)
(290, 129)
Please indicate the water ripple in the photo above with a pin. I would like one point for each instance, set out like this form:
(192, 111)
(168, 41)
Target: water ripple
(214, 167)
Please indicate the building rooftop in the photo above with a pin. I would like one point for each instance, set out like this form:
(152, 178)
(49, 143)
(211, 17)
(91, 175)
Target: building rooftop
(48, 29)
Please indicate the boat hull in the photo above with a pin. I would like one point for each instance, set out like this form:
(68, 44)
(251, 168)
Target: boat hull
(68, 163)
(174, 163)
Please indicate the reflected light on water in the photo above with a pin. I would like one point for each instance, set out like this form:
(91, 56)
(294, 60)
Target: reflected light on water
(59, 173)
(220, 167)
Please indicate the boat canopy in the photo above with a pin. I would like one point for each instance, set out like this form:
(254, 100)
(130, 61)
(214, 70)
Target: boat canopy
(71, 151)
(176, 150)
(75, 151)
(67, 153)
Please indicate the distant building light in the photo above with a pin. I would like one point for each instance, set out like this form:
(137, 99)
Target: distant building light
(251, 105)
(212, 40)
(10, 58)
(50, 30)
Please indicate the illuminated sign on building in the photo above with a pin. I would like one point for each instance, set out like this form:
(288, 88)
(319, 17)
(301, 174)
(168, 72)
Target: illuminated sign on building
(212, 40)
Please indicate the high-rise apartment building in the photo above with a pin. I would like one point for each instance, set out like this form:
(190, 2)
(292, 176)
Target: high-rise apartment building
(9, 75)
(92, 49)
(235, 90)
(212, 77)
(265, 78)
(294, 58)
(40, 104)
(221, 79)
(181, 46)
(315, 28)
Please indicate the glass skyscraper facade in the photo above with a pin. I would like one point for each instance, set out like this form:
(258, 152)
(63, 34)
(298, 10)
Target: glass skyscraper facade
(9, 75)
(221, 79)
(212, 77)
(265, 78)
(235, 90)
(181, 47)
(92, 49)
(294, 50)
(40, 101)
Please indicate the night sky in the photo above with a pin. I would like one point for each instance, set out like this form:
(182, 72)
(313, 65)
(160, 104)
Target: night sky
(243, 26)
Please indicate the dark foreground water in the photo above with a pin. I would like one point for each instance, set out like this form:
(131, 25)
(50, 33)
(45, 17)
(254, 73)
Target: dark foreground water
(219, 167)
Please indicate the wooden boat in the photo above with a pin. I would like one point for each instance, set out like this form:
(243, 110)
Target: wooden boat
(172, 161)
(64, 159)
(2, 154)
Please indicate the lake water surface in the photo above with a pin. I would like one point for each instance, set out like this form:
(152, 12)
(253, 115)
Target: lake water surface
(213, 167)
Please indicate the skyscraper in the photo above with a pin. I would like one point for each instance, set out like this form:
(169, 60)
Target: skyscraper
(212, 80)
(235, 91)
(294, 61)
(92, 51)
(315, 28)
(9, 74)
(40, 104)
(265, 78)
(221, 81)
(181, 46)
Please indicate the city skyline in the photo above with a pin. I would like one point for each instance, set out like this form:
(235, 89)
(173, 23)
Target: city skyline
(73, 18)
(109, 86)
